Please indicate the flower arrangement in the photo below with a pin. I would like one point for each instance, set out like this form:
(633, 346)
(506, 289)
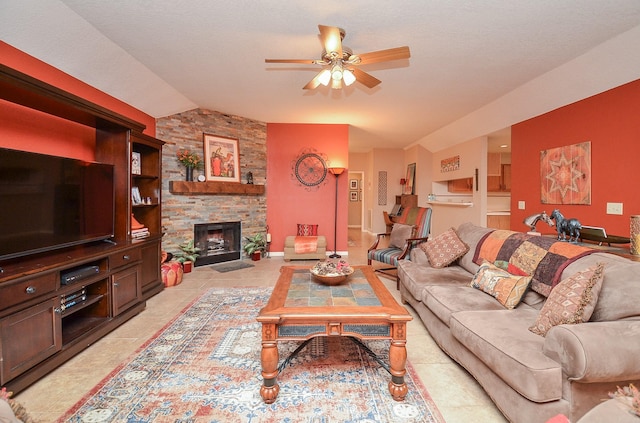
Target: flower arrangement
(630, 396)
(332, 268)
(189, 159)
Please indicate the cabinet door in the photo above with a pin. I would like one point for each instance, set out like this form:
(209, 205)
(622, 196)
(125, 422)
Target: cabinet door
(506, 177)
(493, 184)
(493, 164)
(151, 279)
(29, 336)
(498, 222)
(460, 185)
(126, 289)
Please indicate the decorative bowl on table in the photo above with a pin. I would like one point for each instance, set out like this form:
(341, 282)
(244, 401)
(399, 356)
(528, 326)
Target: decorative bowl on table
(331, 272)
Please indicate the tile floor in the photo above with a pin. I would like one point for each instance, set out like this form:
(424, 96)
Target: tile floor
(458, 397)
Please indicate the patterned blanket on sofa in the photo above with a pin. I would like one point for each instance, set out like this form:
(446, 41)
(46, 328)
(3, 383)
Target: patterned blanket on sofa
(542, 257)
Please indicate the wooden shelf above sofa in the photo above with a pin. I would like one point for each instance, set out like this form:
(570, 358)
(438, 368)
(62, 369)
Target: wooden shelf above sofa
(214, 188)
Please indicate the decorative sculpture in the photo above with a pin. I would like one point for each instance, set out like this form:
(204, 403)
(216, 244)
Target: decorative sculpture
(566, 227)
(535, 218)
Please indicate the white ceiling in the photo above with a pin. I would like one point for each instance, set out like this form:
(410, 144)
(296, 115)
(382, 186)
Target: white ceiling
(168, 56)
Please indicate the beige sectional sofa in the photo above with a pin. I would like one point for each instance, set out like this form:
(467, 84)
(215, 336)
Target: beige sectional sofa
(531, 378)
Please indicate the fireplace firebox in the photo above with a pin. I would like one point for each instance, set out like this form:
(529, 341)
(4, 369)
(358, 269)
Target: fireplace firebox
(218, 242)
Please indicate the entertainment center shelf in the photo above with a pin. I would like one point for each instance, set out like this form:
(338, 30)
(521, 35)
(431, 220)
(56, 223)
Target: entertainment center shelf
(67, 297)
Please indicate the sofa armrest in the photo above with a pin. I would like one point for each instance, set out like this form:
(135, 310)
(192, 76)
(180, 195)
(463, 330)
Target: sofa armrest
(419, 257)
(596, 351)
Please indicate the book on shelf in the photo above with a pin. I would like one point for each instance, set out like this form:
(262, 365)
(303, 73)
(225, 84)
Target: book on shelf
(140, 233)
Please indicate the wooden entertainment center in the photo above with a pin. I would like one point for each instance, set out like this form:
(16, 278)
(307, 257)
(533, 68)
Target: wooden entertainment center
(56, 303)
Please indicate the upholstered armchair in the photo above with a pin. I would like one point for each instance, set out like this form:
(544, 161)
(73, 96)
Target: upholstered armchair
(409, 229)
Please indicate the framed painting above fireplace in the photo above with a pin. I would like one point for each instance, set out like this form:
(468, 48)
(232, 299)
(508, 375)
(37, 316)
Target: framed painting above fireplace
(222, 158)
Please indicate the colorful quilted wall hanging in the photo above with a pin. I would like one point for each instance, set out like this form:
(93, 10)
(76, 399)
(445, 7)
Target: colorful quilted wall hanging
(565, 174)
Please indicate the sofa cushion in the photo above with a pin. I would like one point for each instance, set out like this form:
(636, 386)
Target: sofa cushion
(571, 301)
(306, 229)
(416, 277)
(444, 249)
(399, 235)
(508, 289)
(444, 300)
(471, 234)
(501, 340)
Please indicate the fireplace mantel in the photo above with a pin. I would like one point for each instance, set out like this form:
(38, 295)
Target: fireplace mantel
(214, 188)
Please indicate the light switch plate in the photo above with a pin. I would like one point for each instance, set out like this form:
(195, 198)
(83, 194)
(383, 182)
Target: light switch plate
(521, 205)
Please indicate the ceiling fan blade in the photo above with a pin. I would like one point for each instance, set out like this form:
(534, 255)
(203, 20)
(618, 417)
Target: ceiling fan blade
(313, 84)
(310, 62)
(369, 80)
(331, 39)
(385, 55)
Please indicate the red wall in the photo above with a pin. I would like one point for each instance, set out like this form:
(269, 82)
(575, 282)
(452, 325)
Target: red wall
(611, 123)
(289, 203)
(24, 129)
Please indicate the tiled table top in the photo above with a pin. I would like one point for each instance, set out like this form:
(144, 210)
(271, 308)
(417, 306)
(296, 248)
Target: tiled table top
(306, 292)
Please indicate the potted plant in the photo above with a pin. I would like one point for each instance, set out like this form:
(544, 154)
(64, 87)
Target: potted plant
(190, 161)
(255, 246)
(188, 255)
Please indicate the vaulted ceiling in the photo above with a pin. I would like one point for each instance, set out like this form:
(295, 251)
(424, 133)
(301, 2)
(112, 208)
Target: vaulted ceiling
(470, 61)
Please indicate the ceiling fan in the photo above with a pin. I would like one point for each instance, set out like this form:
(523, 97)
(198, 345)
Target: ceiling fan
(340, 61)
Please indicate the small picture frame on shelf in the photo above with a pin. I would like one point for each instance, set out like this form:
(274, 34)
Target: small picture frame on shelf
(136, 198)
(136, 164)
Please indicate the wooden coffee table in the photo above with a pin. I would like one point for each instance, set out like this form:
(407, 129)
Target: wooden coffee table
(361, 308)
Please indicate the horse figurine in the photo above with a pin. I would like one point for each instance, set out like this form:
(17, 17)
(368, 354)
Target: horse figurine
(535, 218)
(566, 227)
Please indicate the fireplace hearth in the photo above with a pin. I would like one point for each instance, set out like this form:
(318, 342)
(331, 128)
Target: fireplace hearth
(218, 242)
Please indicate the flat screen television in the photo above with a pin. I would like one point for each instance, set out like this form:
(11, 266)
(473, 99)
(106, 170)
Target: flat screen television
(49, 202)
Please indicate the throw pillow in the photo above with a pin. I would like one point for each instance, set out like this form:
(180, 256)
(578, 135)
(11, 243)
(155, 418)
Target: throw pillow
(444, 249)
(508, 289)
(307, 229)
(572, 301)
(399, 235)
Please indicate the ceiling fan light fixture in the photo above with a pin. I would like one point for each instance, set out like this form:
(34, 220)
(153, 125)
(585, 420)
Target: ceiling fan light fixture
(336, 58)
(324, 77)
(336, 72)
(348, 77)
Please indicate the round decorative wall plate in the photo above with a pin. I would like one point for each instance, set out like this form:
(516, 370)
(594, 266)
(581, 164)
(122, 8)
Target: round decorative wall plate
(310, 169)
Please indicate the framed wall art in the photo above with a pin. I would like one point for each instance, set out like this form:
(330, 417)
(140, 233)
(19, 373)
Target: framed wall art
(409, 186)
(353, 195)
(565, 174)
(353, 184)
(222, 158)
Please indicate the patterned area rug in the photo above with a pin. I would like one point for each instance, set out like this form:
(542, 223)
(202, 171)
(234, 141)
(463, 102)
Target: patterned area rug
(204, 366)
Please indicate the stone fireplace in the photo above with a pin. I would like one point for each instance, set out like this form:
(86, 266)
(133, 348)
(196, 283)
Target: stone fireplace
(218, 242)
